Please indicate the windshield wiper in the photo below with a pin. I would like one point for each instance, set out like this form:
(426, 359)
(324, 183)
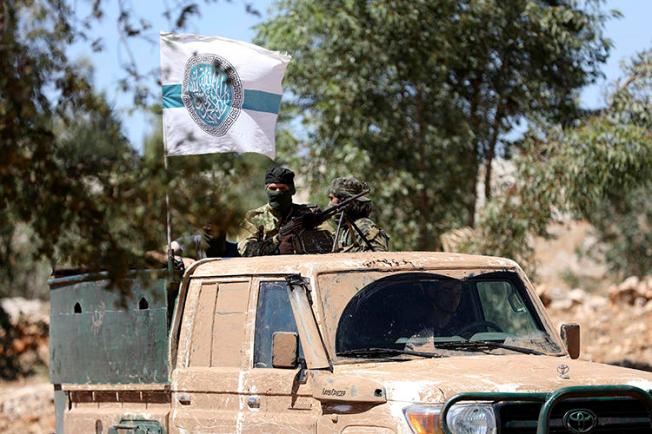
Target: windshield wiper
(487, 344)
(375, 352)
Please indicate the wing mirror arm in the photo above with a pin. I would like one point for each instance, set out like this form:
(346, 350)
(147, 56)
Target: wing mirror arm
(302, 373)
(570, 334)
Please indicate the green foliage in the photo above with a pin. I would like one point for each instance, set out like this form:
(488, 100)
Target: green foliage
(413, 96)
(24, 275)
(32, 182)
(213, 188)
(598, 169)
(623, 229)
(72, 191)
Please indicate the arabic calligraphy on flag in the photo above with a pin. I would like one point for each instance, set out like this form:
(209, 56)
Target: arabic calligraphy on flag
(219, 95)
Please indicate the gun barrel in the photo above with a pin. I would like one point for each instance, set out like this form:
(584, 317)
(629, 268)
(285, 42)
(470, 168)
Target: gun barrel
(341, 205)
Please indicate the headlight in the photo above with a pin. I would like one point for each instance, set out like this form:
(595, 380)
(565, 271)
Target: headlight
(471, 419)
(423, 419)
(461, 418)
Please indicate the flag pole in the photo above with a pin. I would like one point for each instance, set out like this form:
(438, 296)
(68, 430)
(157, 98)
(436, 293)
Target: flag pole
(168, 217)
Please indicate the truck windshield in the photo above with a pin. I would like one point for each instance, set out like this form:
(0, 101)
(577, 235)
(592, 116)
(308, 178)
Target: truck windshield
(435, 314)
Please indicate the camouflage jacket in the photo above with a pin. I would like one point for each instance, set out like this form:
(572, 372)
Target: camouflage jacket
(259, 232)
(350, 241)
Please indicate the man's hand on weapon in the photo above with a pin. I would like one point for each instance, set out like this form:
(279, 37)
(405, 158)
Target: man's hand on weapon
(286, 235)
(297, 224)
(313, 219)
(286, 246)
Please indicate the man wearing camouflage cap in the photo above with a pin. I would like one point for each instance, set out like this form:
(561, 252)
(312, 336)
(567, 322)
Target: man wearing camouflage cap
(355, 223)
(259, 235)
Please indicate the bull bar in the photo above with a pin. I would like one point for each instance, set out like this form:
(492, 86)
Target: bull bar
(549, 400)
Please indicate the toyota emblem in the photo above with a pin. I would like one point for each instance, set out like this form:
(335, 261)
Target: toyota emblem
(580, 421)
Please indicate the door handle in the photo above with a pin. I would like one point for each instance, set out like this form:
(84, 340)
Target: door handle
(253, 402)
(183, 398)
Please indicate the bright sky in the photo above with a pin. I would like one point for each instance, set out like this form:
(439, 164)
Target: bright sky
(630, 34)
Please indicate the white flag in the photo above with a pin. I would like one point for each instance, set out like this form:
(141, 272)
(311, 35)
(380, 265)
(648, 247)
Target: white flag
(219, 95)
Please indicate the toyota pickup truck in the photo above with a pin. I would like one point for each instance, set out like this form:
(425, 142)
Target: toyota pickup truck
(412, 342)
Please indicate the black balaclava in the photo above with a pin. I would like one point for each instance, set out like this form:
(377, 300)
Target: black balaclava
(281, 201)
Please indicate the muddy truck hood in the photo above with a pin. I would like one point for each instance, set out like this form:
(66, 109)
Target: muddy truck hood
(436, 380)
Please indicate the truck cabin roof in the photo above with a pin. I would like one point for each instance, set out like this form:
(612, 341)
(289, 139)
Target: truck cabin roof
(315, 264)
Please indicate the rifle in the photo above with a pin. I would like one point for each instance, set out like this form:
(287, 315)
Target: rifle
(317, 218)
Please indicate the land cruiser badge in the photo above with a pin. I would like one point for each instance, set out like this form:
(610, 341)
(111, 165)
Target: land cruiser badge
(212, 93)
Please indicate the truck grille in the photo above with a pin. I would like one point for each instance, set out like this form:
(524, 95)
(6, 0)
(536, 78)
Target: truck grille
(614, 416)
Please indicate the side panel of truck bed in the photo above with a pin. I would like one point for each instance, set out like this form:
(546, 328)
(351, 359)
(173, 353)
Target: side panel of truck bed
(99, 336)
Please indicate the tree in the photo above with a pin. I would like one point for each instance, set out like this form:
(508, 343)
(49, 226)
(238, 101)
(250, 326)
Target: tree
(598, 169)
(623, 232)
(623, 221)
(91, 151)
(414, 96)
(68, 178)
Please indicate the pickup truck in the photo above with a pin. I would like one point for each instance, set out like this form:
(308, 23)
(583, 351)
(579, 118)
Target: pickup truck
(404, 342)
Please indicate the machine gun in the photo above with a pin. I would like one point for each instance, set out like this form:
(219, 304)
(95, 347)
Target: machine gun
(312, 220)
(307, 239)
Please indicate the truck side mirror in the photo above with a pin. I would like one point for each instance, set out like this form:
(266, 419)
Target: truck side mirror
(570, 334)
(285, 346)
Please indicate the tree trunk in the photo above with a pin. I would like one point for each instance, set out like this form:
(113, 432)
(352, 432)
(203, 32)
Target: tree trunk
(471, 158)
(424, 238)
(491, 152)
(473, 166)
(487, 171)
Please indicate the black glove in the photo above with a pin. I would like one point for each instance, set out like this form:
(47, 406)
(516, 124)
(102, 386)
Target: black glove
(310, 220)
(178, 265)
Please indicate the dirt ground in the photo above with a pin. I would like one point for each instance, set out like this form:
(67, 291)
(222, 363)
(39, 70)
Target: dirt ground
(615, 316)
(611, 332)
(27, 407)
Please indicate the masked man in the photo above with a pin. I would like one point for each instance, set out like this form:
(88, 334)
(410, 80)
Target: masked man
(260, 230)
(356, 232)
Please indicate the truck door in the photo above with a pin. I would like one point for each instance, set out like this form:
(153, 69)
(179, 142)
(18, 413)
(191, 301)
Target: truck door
(209, 380)
(277, 401)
